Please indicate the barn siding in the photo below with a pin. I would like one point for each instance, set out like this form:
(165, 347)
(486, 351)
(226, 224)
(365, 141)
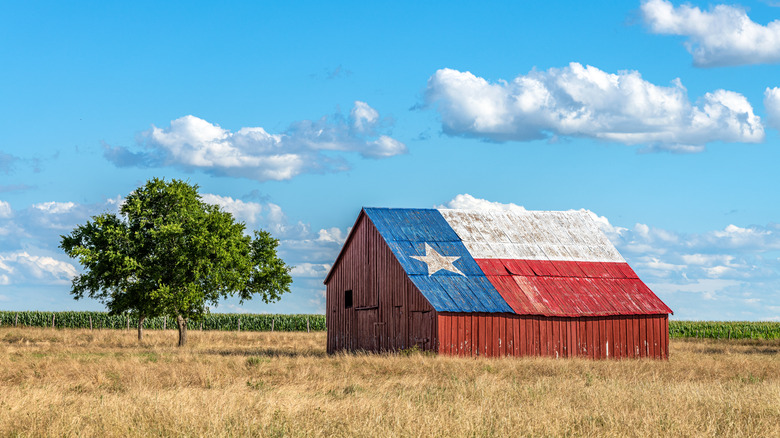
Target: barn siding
(608, 337)
(388, 313)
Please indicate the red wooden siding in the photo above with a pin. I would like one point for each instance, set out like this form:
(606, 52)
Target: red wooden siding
(388, 312)
(608, 337)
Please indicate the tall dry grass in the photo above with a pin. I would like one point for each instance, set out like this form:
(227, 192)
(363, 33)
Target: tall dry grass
(103, 383)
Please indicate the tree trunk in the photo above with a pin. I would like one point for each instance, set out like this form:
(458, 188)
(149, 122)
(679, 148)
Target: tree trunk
(141, 327)
(182, 323)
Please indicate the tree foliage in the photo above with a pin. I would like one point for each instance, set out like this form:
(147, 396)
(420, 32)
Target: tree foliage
(169, 253)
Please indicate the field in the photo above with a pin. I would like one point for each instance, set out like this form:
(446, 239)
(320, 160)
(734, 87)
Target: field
(104, 383)
(291, 323)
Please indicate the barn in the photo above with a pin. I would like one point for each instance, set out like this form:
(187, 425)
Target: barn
(489, 283)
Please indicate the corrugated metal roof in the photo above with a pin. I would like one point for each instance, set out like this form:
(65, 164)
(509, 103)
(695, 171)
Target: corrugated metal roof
(538, 263)
(571, 288)
(532, 235)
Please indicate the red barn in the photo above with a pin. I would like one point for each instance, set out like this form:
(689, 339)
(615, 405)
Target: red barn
(489, 283)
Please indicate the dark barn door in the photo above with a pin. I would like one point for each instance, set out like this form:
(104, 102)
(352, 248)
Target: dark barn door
(422, 329)
(367, 332)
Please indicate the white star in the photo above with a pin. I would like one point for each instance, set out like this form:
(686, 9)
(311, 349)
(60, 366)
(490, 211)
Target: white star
(436, 262)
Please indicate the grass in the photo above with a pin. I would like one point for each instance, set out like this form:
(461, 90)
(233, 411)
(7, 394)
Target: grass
(103, 383)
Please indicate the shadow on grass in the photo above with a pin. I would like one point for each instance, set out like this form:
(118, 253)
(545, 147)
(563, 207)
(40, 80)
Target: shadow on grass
(269, 352)
(767, 351)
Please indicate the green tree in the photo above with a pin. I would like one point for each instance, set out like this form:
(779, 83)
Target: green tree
(169, 253)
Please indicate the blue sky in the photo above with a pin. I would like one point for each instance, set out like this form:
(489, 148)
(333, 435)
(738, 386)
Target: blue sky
(659, 117)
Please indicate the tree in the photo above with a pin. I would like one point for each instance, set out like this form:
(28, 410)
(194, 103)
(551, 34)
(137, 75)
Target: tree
(169, 253)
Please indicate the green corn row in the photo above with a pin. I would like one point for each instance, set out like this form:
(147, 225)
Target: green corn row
(724, 330)
(214, 321)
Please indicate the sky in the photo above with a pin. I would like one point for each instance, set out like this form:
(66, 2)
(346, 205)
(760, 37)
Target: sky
(660, 118)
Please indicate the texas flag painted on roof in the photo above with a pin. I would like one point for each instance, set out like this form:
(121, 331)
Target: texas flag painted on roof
(531, 263)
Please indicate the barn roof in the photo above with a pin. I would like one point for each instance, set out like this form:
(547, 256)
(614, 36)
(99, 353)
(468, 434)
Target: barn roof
(532, 263)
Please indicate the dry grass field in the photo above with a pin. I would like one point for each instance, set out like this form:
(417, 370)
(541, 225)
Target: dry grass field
(103, 383)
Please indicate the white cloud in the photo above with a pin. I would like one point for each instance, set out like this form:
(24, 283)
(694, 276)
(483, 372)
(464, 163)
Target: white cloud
(772, 106)
(724, 35)
(385, 147)
(752, 238)
(468, 202)
(364, 118)
(657, 267)
(55, 207)
(192, 143)
(706, 259)
(42, 218)
(334, 235)
(583, 101)
(247, 212)
(5, 210)
(23, 267)
(312, 270)
(267, 216)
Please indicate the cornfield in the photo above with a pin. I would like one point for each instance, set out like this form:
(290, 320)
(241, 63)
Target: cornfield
(724, 329)
(297, 323)
(214, 321)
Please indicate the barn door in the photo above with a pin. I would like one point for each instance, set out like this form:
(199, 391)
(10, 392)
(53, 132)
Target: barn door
(380, 336)
(367, 332)
(422, 329)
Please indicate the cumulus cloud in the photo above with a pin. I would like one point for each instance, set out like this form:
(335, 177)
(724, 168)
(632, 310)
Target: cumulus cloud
(192, 143)
(247, 212)
(332, 235)
(584, 101)
(54, 207)
(468, 202)
(20, 267)
(364, 118)
(723, 35)
(772, 106)
(267, 216)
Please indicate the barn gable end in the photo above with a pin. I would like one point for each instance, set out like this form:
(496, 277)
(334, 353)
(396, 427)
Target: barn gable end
(388, 313)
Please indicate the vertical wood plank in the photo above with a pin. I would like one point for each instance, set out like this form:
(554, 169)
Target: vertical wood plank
(666, 337)
(496, 336)
(474, 335)
(623, 345)
(591, 338)
(444, 338)
(632, 340)
(482, 348)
